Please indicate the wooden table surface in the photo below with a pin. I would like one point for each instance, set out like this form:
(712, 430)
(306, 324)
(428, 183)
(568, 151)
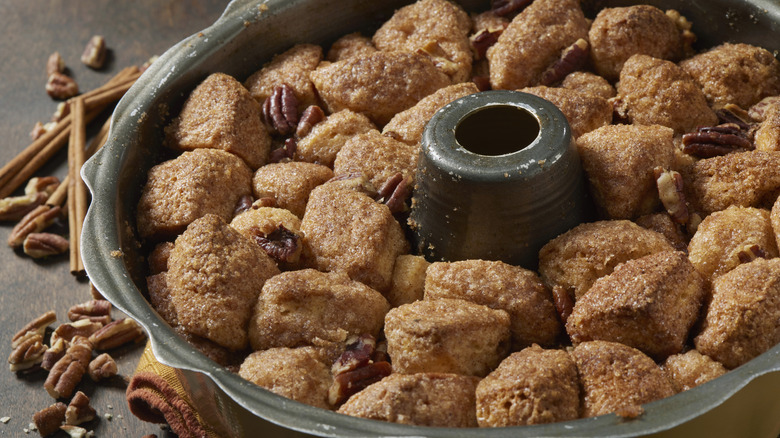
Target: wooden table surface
(29, 32)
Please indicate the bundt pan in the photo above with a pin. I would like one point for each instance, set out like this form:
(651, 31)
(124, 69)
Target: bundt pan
(743, 403)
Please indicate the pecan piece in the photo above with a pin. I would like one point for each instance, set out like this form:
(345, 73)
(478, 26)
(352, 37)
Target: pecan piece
(244, 204)
(94, 54)
(14, 208)
(40, 245)
(79, 410)
(102, 367)
(564, 304)
(62, 110)
(351, 382)
(68, 371)
(750, 252)
(116, 333)
(34, 222)
(28, 353)
(83, 327)
(671, 193)
(503, 8)
(54, 354)
(93, 310)
(758, 111)
(312, 115)
(572, 59)
(61, 86)
(74, 431)
(357, 354)
(712, 141)
(440, 58)
(38, 325)
(394, 193)
(48, 420)
(280, 110)
(55, 64)
(281, 244)
(284, 153)
(484, 39)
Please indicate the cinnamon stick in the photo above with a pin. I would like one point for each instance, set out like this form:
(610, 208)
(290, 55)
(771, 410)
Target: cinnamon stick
(57, 198)
(78, 201)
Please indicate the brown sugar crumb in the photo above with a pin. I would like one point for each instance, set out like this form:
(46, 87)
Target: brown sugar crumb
(378, 85)
(301, 374)
(577, 258)
(619, 162)
(653, 91)
(691, 369)
(215, 275)
(722, 236)
(221, 114)
(614, 376)
(739, 74)
(447, 336)
(289, 183)
(584, 112)
(198, 182)
(426, 23)
(532, 386)
(619, 33)
(751, 290)
(449, 400)
(648, 303)
(291, 68)
(408, 283)
(520, 56)
(326, 138)
(495, 284)
(378, 157)
(350, 46)
(299, 308)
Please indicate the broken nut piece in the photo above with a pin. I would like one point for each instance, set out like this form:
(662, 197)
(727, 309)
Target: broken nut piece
(68, 371)
(671, 193)
(68, 331)
(34, 222)
(49, 420)
(55, 64)
(79, 411)
(61, 86)
(102, 367)
(95, 52)
(54, 354)
(74, 431)
(116, 333)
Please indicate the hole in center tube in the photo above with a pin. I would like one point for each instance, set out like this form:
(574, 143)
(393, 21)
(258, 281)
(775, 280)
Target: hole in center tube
(497, 130)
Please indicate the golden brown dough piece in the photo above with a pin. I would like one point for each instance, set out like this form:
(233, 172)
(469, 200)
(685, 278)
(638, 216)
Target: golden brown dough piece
(448, 400)
(584, 112)
(619, 161)
(654, 91)
(158, 258)
(436, 28)
(215, 275)
(347, 230)
(532, 386)
(615, 376)
(292, 68)
(289, 183)
(648, 303)
(747, 179)
(160, 297)
(378, 157)
(308, 307)
(533, 41)
(662, 223)
(577, 258)
(740, 74)
(774, 219)
(408, 280)
(378, 85)
(408, 126)
(221, 114)
(589, 83)
(446, 336)
(730, 237)
(277, 231)
(752, 291)
(350, 46)
(495, 284)
(326, 138)
(619, 33)
(767, 137)
(199, 182)
(691, 369)
(301, 374)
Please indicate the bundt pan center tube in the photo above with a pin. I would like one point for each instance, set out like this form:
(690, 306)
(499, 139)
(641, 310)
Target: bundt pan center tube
(743, 402)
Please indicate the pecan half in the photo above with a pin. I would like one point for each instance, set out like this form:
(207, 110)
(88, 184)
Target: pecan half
(33, 222)
(54, 354)
(83, 327)
(564, 304)
(55, 64)
(484, 39)
(14, 208)
(38, 325)
(40, 245)
(102, 367)
(671, 193)
(28, 353)
(116, 333)
(94, 54)
(92, 310)
(508, 7)
(750, 252)
(79, 410)
(282, 245)
(312, 115)
(712, 141)
(284, 153)
(280, 110)
(394, 193)
(572, 59)
(61, 86)
(68, 371)
(48, 420)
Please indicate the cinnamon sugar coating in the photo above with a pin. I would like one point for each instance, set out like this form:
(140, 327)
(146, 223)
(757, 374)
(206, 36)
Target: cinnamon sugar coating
(589, 83)
(662, 223)
(691, 369)
(378, 157)
(160, 297)
(289, 183)
(350, 46)
(326, 138)
(291, 67)
(584, 112)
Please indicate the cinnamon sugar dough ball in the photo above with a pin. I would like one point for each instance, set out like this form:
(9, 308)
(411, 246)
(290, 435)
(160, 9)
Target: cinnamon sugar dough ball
(619, 162)
(751, 290)
(325, 140)
(421, 399)
(378, 85)
(663, 224)
(653, 91)
(158, 257)
(649, 303)
(378, 157)
(589, 83)
(408, 126)
(746, 179)
(584, 112)
(307, 307)
(438, 28)
(160, 297)
(221, 114)
(589, 251)
(767, 137)
(446, 336)
(532, 386)
(495, 284)
(289, 183)
(533, 41)
(774, 219)
(740, 74)
(350, 46)
(301, 374)
(263, 223)
(215, 275)
(725, 238)
(292, 68)
(348, 231)
(619, 33)
(616, 376)
(196, 183)
(408, 283)
(691, 369)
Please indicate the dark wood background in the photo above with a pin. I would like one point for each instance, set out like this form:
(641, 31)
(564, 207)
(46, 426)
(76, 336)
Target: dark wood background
(29, 32)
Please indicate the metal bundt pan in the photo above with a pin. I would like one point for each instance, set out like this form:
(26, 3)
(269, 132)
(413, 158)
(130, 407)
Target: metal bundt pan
(743, 403)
